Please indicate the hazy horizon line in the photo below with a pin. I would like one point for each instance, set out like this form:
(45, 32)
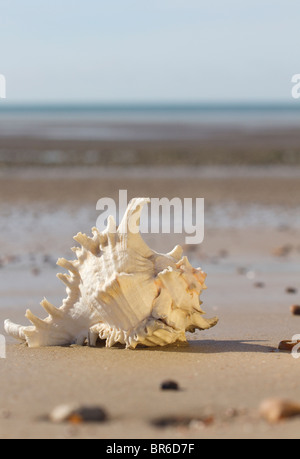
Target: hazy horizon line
(6, 105)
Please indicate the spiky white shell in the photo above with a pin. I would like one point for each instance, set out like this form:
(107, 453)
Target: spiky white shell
(121, 291)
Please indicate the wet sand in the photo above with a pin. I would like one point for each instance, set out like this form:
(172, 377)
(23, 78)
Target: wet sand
(224, 373)
(83, 186)
(161, 144)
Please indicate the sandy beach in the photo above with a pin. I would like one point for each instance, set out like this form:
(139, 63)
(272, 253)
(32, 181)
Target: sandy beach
(251, 254)
(190, 110)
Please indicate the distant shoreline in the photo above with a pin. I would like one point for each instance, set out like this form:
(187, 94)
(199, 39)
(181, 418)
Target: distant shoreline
(133, 135)
(243, 114)
(156, 105)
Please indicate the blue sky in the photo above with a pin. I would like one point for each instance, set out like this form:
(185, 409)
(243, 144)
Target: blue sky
(149, 51)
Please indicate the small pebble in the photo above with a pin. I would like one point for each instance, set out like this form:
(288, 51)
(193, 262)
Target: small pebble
(169, 385)
(178, 421)
(76, 414)
(282, 251)
(223, 253)
(195, 424)
(275, 410)
(291, 290)
(10, 259)
(295, 310)
(35, 271)
(6, 414)
(251, 275)
(172, 422)
(46, 259)
(287, 345)
(259, 285)
(190, 248)
(231, 413)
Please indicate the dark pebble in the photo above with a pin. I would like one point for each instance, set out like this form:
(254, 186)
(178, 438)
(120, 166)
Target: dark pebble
(6, 414)
(89, 414)
(259, 285)
(283, 251)
(35, 271)
(78, 414)
(287, 345)
(295, 310)
(169, 385)
(291, 290)
(182, 421)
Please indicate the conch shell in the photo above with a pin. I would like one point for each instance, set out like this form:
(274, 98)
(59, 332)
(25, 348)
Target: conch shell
(121, 291)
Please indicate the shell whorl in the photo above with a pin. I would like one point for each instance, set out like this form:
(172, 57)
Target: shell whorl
(121, 291)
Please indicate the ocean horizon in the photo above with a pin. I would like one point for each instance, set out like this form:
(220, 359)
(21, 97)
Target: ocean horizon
(124, 121)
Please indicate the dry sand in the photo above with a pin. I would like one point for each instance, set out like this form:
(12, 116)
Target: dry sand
(224, 373)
